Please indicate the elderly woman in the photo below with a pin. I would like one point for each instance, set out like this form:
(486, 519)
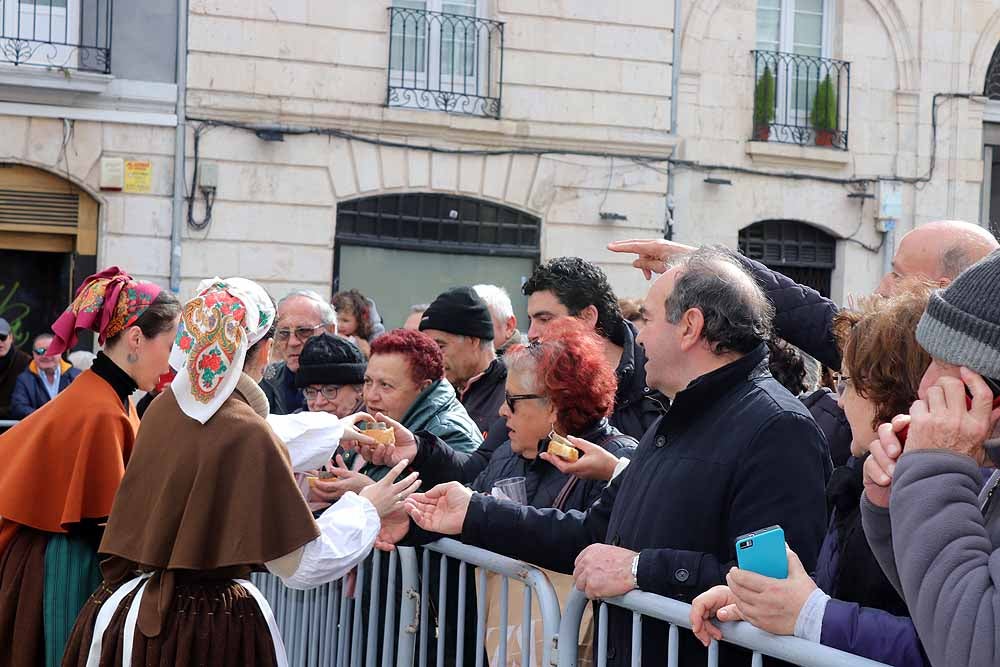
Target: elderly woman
(62, 465)
(190, 521)
(851, 605)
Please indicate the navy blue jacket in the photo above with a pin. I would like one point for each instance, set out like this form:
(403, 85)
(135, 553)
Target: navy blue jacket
(735, 453)
(866, 616)
(803, 316)
(30, 392)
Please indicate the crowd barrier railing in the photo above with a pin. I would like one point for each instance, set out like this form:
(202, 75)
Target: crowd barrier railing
(676, 614)
(324, 627)
(536, 584)
(7, 423)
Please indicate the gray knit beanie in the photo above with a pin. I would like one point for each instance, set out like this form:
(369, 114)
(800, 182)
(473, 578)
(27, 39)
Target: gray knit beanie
(961, 325)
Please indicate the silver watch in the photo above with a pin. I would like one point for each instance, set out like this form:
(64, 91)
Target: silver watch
(635, 571)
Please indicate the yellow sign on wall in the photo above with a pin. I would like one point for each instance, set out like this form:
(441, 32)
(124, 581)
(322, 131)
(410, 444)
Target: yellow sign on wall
(138, 176)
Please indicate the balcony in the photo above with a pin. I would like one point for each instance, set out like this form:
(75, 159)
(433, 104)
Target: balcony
(57, 34)
(445, 62)
(801, 100)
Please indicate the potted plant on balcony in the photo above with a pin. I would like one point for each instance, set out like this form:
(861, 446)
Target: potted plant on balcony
(824, 112)
(763, 105)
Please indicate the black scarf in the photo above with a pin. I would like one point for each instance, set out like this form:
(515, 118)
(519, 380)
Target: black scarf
(859, 577)
(110, 372)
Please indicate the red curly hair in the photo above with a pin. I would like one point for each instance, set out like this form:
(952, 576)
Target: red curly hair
(570, 369)
(422, 354)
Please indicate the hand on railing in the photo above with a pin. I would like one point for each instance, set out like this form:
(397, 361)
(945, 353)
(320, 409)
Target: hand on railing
(604, 571)
(442, 509)
(653, 253)
(596, 462)
(387, 495)
(718, 602)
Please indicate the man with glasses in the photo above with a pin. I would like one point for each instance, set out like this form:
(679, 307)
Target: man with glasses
(13, 362)
(42, 381)
(302, 314)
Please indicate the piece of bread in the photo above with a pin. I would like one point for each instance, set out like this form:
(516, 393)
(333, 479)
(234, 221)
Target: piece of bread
(380, 432)
(561, 447)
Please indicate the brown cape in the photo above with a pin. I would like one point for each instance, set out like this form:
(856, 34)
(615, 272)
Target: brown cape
(64, 462)
(206, 497)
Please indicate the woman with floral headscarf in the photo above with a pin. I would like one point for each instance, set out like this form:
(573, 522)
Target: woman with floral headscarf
(62, 465)
(208, 497)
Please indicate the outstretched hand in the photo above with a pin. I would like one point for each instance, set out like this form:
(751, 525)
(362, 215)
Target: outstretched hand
(442, 509)
(654, 254)
(388, 495)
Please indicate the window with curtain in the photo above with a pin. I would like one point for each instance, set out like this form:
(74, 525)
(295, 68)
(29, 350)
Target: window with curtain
(452, 42)
(796, 27)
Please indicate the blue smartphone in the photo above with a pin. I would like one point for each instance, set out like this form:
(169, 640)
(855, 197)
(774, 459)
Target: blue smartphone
(763, 552)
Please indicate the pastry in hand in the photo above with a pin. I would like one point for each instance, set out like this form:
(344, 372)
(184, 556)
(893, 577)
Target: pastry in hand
(380, 432)
(561, 447)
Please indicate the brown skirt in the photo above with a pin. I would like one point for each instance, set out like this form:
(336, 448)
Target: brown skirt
(22, 586)
(212, 623)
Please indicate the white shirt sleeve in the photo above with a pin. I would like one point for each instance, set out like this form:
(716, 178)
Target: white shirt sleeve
(619, 467)
(809, 624)
(312, 438)
(347, 533)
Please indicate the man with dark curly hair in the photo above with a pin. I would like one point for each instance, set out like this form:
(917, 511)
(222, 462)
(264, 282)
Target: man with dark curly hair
(573, 287)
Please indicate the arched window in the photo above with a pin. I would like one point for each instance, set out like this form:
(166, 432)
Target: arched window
(992, 87)
(802, 252)
(403, 249)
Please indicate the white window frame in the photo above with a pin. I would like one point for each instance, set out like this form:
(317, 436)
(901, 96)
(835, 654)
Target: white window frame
(432, 72)
(55, 55)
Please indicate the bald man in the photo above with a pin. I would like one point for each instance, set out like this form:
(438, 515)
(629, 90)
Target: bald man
(937, 251)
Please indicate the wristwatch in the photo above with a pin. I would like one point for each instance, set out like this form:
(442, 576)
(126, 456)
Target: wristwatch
(635, 571)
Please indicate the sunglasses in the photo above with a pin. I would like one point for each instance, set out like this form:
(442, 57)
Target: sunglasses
(512, 399)
(301, 333)
(4, 337)
(40, 351)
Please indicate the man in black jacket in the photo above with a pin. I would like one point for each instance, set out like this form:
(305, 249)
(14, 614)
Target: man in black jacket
(459, 321)
(13, 362)
(735, 453)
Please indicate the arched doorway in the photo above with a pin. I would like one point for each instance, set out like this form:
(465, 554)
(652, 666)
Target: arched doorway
(48, 245)
(990, 203)
(402, 249)
(804, 253)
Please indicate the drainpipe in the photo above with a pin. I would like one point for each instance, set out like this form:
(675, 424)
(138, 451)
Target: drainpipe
(675, 79)
(177, 222)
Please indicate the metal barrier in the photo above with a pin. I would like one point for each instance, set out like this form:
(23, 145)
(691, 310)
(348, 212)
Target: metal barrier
(7, 423)
(534, 581)
(323, 627)
(676, 614)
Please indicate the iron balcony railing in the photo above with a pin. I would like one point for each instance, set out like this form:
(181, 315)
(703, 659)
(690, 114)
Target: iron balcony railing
(61, 34)
(801, 99)
(445, 62)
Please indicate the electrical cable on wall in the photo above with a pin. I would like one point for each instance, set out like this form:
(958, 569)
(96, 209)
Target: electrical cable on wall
(277, 132)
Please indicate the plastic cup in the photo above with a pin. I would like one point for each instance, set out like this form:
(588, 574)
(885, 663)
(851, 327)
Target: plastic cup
(512, 488)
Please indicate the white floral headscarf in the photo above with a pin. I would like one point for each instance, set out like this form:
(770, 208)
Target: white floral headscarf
(217, 328)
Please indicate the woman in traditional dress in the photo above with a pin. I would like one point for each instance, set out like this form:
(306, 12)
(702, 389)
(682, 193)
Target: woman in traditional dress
(62, 464)
(208, 497)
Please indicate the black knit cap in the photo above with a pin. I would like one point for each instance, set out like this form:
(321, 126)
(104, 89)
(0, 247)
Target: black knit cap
(327, 359)
(459, 311)
(961, 325)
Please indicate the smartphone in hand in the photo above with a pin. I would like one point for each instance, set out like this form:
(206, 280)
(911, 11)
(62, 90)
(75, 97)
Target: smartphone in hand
(763, 552)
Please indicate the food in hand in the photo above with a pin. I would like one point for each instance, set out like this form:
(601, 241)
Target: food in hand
(380, 432)
(322, 474)
(561, 447)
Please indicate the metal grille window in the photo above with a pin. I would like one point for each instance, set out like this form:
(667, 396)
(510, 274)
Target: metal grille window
(447, 60)
(65, 34)
(992, 87)
(438, 222)
(800, 251)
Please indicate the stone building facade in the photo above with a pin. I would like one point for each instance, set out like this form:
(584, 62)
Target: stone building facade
(327, 167)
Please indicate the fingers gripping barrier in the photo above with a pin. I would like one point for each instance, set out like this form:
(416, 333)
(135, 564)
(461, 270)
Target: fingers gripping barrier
(677, 615)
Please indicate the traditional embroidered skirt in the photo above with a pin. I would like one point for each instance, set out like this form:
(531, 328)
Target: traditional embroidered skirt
(210, 622)
(45, 579)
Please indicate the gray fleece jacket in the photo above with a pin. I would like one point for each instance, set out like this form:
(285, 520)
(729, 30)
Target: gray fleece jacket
(941, 551)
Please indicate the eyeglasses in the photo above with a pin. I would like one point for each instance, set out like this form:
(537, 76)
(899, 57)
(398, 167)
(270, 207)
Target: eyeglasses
(302, 333)
(512, 399)
(4, 337)
(842, 383)
(329, 392)
(40, 351)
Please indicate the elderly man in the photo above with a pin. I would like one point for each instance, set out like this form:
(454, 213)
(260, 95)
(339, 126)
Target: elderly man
(302, 314)
(505, 332)
(932, 524)
(42, 381)
(13, 362)
(937, 251)
(459, 321)
(735, 453)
